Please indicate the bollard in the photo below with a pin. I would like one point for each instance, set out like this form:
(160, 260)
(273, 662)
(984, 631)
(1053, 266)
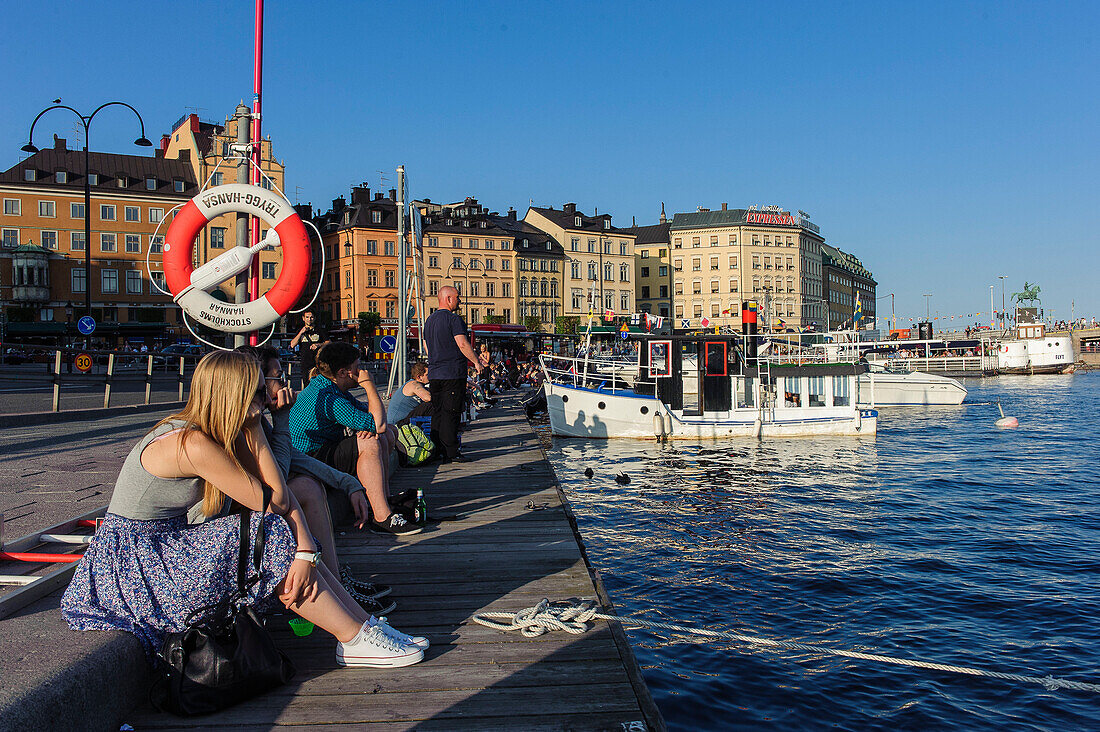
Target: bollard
(180, 380)
(57, 382)
(148, 377)
(107, 383)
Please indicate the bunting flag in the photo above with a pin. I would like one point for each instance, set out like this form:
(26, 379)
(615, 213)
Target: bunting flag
(657, 322)
(608, 314)
(635, 318)
(705, 322)
(685, 323)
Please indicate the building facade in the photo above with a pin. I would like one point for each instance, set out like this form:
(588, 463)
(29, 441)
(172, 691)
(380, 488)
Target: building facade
(844, 278)
(43, 282)
(652, 269)
(721, 258)
(599, 258)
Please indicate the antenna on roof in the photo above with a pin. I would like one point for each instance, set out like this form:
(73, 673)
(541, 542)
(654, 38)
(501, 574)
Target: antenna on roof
(382, 180)
(196, 110)
(297, 193)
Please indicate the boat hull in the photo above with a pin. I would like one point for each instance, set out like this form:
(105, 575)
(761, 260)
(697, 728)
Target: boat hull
(910, 389)
(593, 414)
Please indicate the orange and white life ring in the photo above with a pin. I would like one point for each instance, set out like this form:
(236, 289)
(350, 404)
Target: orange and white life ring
(190, 292)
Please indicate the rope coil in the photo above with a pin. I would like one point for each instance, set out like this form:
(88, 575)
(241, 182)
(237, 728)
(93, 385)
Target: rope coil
(573, 618)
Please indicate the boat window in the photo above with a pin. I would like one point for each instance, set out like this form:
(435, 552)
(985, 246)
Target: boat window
(792, 391)
(841, 392)
(715, 358)
(660, 358)
(815, 393)
(744, 392)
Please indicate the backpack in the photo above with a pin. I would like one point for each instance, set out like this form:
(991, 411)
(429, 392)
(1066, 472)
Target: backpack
(414, 445)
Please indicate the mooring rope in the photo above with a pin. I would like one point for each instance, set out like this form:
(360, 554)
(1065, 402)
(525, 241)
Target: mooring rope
(574, 618)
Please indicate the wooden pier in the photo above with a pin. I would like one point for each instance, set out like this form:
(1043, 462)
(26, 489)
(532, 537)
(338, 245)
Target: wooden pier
(506, 540)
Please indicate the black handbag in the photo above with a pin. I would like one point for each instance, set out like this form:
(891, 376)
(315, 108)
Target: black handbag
(225, 655)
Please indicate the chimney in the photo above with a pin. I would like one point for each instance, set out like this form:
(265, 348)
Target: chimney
(164, 142)
(304, 210)
(59, 143)
(569, 208)
(360, 194)
(511, 214)
(378, 196)
(393, 194)
(338, 204)
(184, 155)
(158, 153)
(700, 209)
(725, 207)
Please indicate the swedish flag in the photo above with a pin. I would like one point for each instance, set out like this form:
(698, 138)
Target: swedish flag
(857, 316)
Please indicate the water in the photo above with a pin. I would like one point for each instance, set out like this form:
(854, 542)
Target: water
(942, 539)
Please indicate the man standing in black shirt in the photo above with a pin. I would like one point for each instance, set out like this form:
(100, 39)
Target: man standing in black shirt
(308, 341)
(448, 351)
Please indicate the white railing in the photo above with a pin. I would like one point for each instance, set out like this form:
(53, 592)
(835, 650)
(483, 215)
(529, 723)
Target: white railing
(941, 364)
(609, 377)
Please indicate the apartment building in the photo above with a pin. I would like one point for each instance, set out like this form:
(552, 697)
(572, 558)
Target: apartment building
(540, 274)
(43, 281)
(360, 257)
(720, 258)
(652, 269)
(844, 278)
(596, 253)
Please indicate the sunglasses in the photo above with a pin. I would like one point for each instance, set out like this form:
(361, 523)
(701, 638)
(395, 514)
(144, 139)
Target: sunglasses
(281, 378)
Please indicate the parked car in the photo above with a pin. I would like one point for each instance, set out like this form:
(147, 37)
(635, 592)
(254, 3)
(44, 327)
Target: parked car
(15, 357)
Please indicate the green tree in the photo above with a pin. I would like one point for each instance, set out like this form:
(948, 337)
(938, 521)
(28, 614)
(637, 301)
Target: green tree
(367, 323)
(532, 323)
(565, 324)
(495, 320)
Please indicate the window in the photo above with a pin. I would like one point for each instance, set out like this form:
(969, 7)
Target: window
(733, 285)
(456, 242)
(490, 264)
(217, 179)
(576, 219)
(177, 186)
(76, 241)
(376, 217)
(591, 246)
(155, 215)
(433, 287)
(609, 300)
(664, 291)
(714, 262)
(372, 278)
(816, 391)
(608, 271)
(61, 176)
(678, 265)
(433, 262)
(662, 271)
(645, 291)
(505, 244)
(624, 301)
(390, 248)
(156, 244)
(841, 393)
(47, 209)
(347, 249)
(347, 278)
(133, 282)
(574, 245)
(645, 272)
(624, 272)
(490, 244)
(108, 281)
(372, 246)
(473, 244)
(490, 289)
(106, 212)
(592, 274)
(698, 311)
(714, 286)
(267, 270)
(506, 291)
(156, 278)
(93, 179)
(108, 243)
(391, 309)
(151, 183)
(391, 278)
(696, 264)
(475, 289)
(575, 270)
(714, 241)
(29, 174)
(433, 241)
(696, 286)
(12, 206)
(694, 242)
(506, 264)
(217, 237)
(79, 282)
(133, 243)
(755, 261)
(133, 213)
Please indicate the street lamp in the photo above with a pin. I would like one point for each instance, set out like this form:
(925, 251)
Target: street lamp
(1002, 278)
(86, 121)
(927, 308)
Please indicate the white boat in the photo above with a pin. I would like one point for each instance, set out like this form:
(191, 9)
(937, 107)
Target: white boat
(677, 395)
(1032, 351)
(889, 386)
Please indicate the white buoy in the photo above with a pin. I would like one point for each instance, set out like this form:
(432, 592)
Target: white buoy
(1005, 422)
(658, 426)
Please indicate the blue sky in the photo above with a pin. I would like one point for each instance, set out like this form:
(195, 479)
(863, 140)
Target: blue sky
(942, 143)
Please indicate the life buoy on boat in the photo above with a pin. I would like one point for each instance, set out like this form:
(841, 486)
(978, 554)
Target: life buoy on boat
(658, 426)
(190, 287)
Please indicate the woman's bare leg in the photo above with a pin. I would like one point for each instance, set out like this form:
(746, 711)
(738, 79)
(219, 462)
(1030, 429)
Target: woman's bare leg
(326, 611)
(311, 497)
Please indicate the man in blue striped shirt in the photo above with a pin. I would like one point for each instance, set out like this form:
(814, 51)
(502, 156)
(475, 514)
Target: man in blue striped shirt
(324, 412)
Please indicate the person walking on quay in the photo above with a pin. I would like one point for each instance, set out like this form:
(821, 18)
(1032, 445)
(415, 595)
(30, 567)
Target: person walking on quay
(308, 342)
(448, 351)
(146, 569)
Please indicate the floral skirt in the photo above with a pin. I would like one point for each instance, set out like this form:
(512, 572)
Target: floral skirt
(145, 577)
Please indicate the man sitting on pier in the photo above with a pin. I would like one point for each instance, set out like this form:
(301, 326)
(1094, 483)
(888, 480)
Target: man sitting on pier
(323, 414)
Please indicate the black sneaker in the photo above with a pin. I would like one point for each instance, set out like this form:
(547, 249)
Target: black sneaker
(459, 458)
(369, 589)
(371, 605)
(395, 524)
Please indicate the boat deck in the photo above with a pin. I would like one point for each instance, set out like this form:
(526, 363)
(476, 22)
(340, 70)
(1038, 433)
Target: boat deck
(508, 540)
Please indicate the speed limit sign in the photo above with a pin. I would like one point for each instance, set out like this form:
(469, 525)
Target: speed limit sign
(83, 363)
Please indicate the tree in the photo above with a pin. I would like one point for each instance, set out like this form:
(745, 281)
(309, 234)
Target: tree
(367, 323)
(565, 324)
(495, 320)
(532, 323)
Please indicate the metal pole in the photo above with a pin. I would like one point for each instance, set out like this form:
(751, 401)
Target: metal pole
(257, 94)
(57, 378)
(148, 377)
(402, 298)
(991, 326)
(240, 294)
(87, 229)
(110, 377)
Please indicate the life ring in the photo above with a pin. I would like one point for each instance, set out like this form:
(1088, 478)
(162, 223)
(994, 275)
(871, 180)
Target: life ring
(179, 242)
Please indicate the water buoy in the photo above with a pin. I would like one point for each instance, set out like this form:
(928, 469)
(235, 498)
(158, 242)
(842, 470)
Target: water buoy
(658, 425)
(1005, 422)
(622, 479)
(588, 473)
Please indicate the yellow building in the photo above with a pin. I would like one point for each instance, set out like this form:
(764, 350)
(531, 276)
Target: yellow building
(721, 258)
(652, 269)
(595, 252)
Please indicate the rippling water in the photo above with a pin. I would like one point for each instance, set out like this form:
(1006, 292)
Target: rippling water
(942, 539)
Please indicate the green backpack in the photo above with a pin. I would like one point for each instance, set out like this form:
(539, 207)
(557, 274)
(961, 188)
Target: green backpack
(414, 444)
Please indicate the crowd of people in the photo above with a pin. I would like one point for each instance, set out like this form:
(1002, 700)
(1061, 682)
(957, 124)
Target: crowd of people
(247, 440)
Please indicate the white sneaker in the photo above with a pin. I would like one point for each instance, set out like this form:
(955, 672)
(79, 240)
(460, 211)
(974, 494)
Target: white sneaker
(417, 641)
(373, 648)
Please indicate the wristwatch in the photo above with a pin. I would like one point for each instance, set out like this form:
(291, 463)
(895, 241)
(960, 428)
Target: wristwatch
(311, 557)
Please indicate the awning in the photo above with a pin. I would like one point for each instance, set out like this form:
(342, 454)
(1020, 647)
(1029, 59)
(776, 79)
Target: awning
(35, 329)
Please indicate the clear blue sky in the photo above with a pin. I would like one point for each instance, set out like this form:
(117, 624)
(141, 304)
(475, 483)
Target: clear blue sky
(943, 143)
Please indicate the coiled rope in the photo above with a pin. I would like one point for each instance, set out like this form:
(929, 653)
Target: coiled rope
(573, 618)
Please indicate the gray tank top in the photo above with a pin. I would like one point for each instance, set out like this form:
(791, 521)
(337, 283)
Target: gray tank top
(143, 496)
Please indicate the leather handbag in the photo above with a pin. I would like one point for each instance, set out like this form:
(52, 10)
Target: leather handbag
(224, 655)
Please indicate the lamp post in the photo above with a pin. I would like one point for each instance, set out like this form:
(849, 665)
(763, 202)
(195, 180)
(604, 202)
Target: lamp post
(927, 307)
(86, 120)
(1002, 278)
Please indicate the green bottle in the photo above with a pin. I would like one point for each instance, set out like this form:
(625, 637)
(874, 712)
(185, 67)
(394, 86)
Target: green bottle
(421, 513)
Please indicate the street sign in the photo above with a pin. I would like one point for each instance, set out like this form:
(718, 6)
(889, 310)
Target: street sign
(86, 325)
(83, 363)
(387, 344)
